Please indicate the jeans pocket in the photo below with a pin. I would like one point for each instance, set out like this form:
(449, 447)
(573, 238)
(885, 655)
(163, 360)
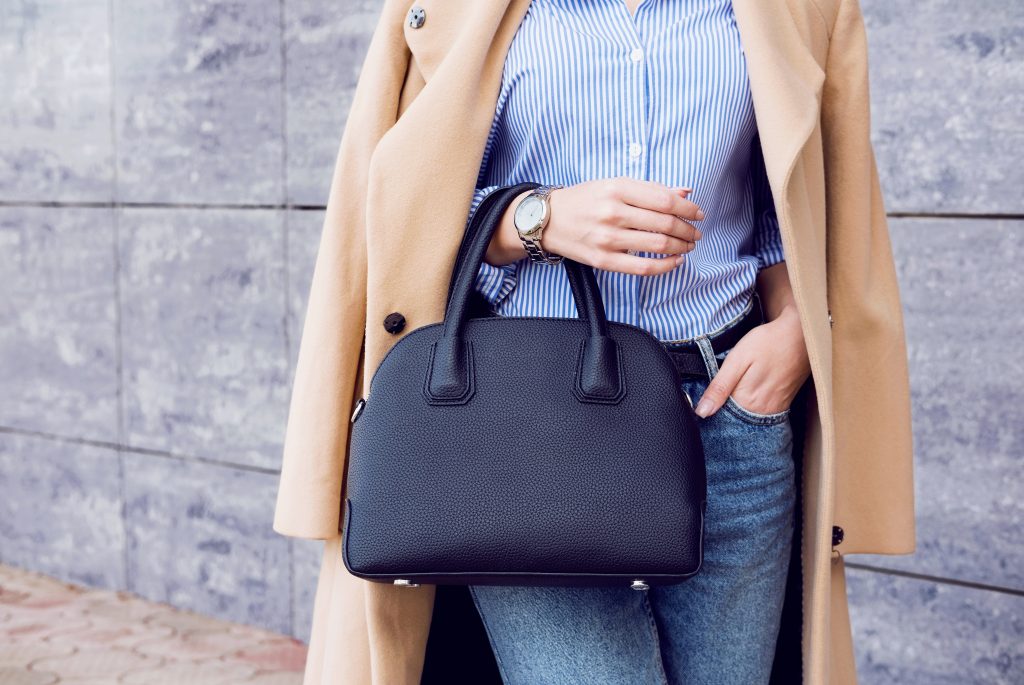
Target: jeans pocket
(735, 408)
(753, 417)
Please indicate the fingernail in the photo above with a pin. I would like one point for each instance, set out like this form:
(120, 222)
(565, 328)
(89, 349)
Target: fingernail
(700, 214)
(703, 408)
(680, 259)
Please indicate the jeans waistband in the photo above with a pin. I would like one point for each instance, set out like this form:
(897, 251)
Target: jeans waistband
(692, 357)
(752, 315)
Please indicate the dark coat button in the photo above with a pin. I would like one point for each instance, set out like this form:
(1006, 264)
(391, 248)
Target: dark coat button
(394, 322)
(837, 536)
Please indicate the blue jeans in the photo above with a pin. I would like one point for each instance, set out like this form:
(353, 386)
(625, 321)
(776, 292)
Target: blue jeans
(717, 628)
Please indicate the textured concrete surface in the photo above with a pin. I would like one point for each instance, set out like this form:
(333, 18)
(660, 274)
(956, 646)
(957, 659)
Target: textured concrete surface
(306, 561)
(163, 171)
(203, 336)
(55, 141)
(916, 631)
(52, 632)
(947, 90)
(58, 337)
(197, 101)
(199, 537)
(325, 45)
(60, 510)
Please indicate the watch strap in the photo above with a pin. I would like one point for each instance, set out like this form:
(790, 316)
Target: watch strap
(532, 245)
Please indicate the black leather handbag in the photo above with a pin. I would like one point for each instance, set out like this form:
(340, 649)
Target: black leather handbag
(524, 450)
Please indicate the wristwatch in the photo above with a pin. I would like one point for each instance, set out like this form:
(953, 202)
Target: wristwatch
(531, 217)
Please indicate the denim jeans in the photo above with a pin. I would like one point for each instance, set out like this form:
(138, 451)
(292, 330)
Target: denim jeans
(717, 628)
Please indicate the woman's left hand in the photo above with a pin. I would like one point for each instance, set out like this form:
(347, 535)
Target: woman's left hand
(763, 371)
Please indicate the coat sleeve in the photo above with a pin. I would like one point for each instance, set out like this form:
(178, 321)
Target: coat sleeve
(874, 452)
(327, 373)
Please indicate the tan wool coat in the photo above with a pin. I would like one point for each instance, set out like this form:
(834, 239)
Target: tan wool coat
(401, 193)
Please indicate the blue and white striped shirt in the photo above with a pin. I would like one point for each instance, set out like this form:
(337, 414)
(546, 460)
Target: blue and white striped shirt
(590, 91)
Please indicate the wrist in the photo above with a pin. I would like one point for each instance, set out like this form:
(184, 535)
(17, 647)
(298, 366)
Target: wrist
(532, 217)
(551, 236)
(787, 317)
(505, 246)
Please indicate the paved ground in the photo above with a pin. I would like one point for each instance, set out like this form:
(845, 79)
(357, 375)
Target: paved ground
(51, 632)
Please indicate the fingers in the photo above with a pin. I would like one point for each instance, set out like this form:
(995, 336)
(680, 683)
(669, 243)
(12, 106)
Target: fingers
(606, 221)
(721, 386)
(655, 197)
(628, 216)
(631, 264)
(622, 239)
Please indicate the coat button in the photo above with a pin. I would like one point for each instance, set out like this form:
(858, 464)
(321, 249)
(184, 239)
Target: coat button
(837, 536)
(417, 15)
(394, 322)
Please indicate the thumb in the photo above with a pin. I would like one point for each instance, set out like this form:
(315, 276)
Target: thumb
(719, 388)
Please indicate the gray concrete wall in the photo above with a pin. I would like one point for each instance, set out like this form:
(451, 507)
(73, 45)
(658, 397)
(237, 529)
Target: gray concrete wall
(163, 171)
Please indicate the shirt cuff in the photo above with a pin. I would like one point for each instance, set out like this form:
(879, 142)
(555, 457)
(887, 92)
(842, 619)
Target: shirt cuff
(768, 243)
(496, 282)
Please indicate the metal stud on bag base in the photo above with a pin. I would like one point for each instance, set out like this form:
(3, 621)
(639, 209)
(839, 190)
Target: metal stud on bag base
(402, 582)
(639, 585)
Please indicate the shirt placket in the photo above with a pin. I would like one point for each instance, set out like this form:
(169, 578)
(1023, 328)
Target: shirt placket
(637, 125)
(636, 133)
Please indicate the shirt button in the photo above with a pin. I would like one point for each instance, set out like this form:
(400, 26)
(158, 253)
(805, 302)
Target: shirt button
(636, 55)
(635, 149)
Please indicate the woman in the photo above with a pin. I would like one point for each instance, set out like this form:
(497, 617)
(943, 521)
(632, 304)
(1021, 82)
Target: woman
(617, 100)
(413, 146)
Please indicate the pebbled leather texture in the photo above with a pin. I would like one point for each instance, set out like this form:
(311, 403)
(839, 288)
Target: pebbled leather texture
(524, 450)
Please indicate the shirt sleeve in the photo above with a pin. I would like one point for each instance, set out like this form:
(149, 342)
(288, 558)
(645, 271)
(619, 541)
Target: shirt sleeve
(767, 236)
(493, 282)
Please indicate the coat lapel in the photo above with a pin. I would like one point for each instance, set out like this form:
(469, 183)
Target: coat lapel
(785, 84)
(423, 171)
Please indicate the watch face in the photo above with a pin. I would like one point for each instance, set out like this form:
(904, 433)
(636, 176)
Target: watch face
(528, 214)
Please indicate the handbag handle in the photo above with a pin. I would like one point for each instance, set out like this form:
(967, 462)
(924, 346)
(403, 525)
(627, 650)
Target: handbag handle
(450, 370)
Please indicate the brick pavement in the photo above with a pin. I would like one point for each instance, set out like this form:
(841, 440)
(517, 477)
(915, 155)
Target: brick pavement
(52, 632)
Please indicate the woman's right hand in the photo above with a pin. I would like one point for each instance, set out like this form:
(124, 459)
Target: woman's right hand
(598, 222)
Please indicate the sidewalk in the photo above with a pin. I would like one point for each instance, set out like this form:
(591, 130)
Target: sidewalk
(51, 632)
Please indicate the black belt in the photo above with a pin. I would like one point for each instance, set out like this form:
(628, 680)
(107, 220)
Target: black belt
(687, 356)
